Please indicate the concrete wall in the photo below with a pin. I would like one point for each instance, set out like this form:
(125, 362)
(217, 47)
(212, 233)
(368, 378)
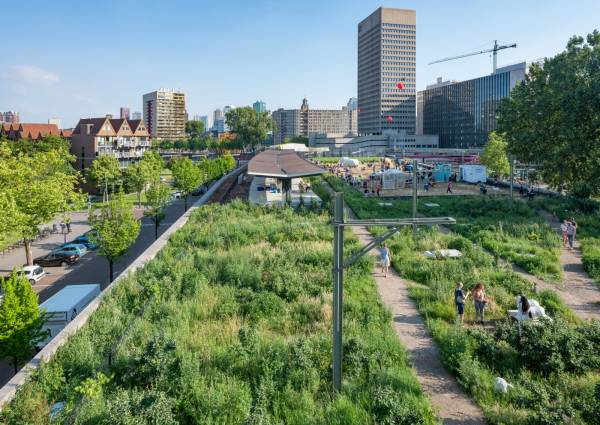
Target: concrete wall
(8, 391)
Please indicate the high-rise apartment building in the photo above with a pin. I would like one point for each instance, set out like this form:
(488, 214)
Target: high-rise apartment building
(259, 106)
(463, 113)
(9, 117)
(124, 113)
(306, 121)
(164, 114)
(387, 49)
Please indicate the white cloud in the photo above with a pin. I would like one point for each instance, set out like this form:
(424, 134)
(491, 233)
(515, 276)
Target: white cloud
(31, 74)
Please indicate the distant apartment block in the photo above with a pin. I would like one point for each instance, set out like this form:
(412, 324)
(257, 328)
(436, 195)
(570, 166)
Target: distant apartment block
(124, 113)
(165, 114)
(55, 121)
(9, 117)
(387, 49)
(259, 106)
(463, 113)
(306, 121)
(136, 115)
(126, 140)
(204, 119)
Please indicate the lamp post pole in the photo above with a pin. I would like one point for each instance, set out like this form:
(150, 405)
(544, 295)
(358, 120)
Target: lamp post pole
(414, 196)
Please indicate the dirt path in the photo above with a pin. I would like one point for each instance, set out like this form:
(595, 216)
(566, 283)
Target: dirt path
(454, 406)
(578, 290)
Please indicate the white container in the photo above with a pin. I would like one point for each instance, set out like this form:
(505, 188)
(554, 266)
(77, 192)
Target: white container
(64, 306)
(472, 173)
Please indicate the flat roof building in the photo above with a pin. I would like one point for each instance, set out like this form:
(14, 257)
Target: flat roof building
(463, 113)
(165, 115)
(387, 49)
(306, 121)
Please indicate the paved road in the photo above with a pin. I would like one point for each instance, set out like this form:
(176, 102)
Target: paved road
(91, 268)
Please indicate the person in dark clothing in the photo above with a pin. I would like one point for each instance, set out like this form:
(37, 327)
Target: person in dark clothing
(459, 299)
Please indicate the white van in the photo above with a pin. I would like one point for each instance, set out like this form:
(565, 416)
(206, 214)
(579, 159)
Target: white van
(62, 307)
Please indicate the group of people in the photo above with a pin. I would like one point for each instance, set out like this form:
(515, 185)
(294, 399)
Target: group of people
(526, 308)
(568, 228)
(479, 300)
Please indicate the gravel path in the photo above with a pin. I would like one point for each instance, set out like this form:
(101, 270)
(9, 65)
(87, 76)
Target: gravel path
(453, 405)
(578, 290)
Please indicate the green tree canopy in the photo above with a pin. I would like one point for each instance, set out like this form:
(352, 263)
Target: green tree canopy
(157, 197)
(250, 127)
(33, 189)
(115, 228)
(553, 118)
(297, 139)
(105, 172)
(186, 176)
(194, 129)
(21, 320)
(494, 155)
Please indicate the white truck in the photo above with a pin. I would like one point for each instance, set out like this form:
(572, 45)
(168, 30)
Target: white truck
(62, 307)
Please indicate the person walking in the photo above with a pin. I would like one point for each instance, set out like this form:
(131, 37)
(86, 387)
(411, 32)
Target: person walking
(480, 302)
(571, 229)
(386, 259)
(563, 230)
(459, 300)
(449, 187)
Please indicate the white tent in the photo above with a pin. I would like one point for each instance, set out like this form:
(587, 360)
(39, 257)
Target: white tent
(349, 162)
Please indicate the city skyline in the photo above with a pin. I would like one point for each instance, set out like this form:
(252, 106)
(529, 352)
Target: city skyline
(45, 85)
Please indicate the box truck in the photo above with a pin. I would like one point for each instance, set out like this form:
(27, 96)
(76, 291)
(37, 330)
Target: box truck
(62, 307)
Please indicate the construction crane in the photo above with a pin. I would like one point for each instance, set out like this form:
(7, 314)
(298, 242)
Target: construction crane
(494, 50)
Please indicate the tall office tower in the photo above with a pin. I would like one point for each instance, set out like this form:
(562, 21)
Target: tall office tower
(204, 119)
(164, 114)
(217, 115)
(136, 115)
(259, 106)
(387, 50)
(124, 113)
(353, 116)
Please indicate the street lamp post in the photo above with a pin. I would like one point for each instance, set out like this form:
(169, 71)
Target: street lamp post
(339, 223)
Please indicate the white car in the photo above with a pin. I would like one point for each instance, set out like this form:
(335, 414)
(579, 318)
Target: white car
(33, 273)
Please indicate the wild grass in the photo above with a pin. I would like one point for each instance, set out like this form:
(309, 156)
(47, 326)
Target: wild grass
(553, 364)
(519, 236)
(231, 324)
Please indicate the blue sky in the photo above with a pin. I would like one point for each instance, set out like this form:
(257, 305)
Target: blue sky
(73, 59)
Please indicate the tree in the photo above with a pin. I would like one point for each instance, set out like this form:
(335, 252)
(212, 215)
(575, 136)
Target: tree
(157, 197)
(105, 171)
(296, 139)
(21, 320)
(186, 176)
(494, 155)
(552, 119)
(34, 188)
(194, 129)
(249, 126)
(115, 228)
(135, 179)
(153, 165)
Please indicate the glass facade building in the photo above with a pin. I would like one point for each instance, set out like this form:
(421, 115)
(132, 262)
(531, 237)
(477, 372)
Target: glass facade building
(462, 114)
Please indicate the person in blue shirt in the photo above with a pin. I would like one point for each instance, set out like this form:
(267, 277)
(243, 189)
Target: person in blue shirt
(459, 299)
(385, 259)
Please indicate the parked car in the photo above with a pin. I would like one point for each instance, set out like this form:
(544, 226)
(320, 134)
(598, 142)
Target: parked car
(56, 259)
(176, 195)
(33, 273)
(71, 248)
(86, 241)
(199, 191)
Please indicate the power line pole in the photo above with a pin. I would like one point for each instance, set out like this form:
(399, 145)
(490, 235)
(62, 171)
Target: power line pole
(512, 171)
(339, 265)
(414, 196)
